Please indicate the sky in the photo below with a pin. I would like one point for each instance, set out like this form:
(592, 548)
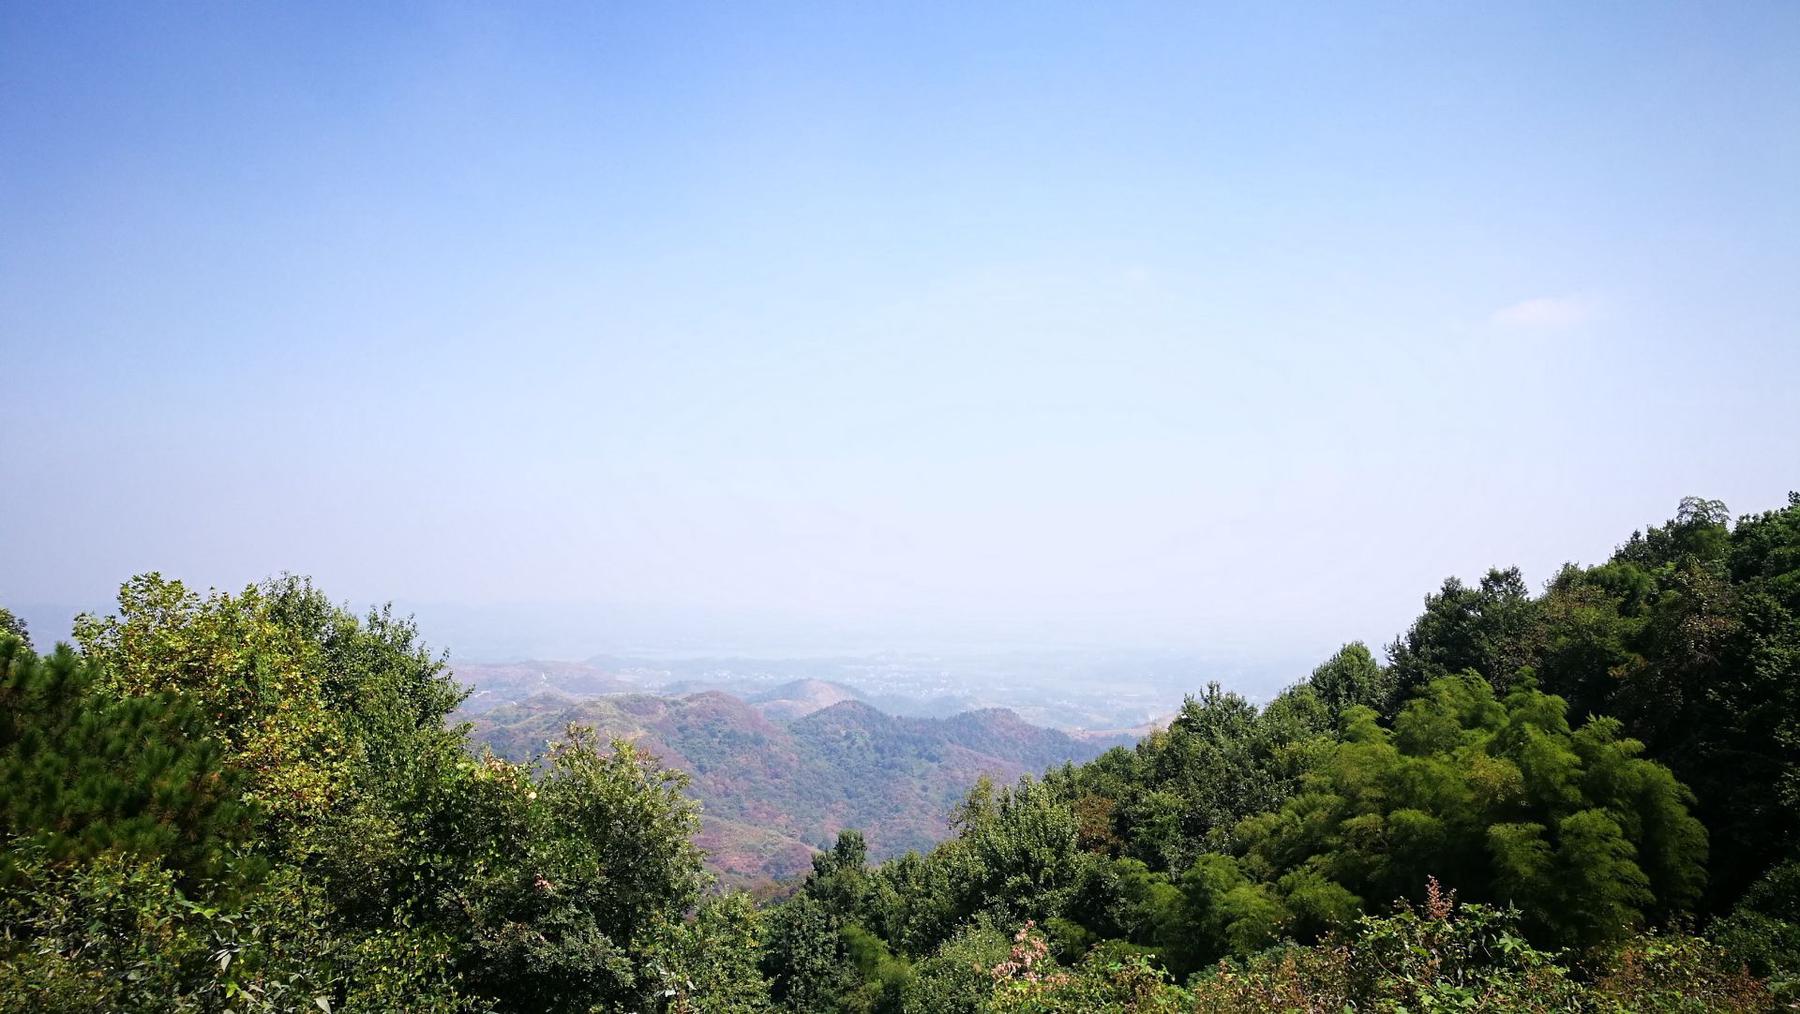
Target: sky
(1222, 327)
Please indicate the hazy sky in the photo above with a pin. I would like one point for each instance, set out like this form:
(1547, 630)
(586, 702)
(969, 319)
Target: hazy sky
(1149, 325)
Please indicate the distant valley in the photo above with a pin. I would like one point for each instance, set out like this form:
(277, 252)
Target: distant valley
(779, 769)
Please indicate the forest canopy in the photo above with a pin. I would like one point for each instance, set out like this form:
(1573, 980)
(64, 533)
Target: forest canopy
(1585, 798)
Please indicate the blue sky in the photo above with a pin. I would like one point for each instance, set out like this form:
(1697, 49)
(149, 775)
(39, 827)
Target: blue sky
(1121, 324)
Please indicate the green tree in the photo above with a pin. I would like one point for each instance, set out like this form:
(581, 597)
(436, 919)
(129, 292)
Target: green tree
(708, 964)
(1690, 635)
(577, 869)
(12, 623)
(259, 682)
(957, 978)
(804, 957)
(414, 875)
(1352, 678)
(1501, 798)
(1493, 628)
(1185, 788)
(87, 773)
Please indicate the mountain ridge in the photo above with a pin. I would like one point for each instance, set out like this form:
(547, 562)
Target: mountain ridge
(774, 788)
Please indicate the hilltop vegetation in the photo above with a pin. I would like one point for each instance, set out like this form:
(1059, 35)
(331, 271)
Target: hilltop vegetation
(253, 802)
(772, 788)
(1586, 799)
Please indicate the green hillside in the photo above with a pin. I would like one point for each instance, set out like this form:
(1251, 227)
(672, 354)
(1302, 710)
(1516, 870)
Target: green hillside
(1584, 799)
(772, 791)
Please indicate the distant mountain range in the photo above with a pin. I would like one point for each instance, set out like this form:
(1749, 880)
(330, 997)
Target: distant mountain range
(492, 685)
(1061, 689)
(780, 771)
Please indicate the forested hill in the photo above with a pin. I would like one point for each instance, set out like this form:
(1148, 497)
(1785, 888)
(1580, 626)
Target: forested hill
(775, 780)
(1583, 799)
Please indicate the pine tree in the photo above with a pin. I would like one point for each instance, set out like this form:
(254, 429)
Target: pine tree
(87, 772)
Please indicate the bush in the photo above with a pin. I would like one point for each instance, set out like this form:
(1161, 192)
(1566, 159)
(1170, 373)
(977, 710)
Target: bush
(1763, 932)
(1439, 957)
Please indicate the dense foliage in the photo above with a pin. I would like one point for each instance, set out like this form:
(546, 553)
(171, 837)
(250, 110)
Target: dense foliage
(1439, 956)
(255, 802)
(1557, 758)
(88, 773)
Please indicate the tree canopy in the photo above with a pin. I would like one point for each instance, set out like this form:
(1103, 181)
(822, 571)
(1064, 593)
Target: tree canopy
(1586, 798)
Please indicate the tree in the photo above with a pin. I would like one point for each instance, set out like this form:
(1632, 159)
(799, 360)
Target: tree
(1501, 798)
(1352, 678)
(12, 623)
(1217, 762)
(259, 682)
(576, 869)
(87, 773)
(1492, 629)
(804, 958)
(412, 874)
(708, 964)
(1690, 636)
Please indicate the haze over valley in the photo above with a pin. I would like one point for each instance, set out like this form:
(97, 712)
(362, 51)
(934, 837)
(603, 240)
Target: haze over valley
(1072, 690)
